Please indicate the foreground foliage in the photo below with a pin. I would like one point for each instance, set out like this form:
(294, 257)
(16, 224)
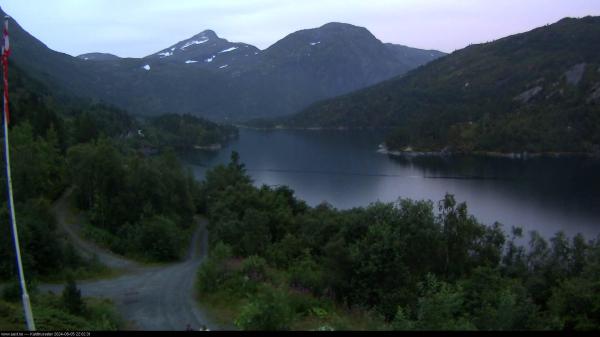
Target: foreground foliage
(139, 206)
(413, 267)
(64, 312)
(137, 202)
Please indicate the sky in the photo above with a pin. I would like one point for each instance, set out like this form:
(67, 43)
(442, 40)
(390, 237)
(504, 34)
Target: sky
(136, 28)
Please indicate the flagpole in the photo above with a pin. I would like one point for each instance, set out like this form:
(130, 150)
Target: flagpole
(26, 302)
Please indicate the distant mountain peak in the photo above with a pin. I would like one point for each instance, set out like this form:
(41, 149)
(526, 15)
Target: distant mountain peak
(206, 49)
(333, 31)
(209, 33)
(205, 34)
(340, 25)
(343, 28)
(98, 57)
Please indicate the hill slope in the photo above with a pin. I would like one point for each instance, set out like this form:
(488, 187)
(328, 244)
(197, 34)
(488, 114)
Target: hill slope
(537, 91)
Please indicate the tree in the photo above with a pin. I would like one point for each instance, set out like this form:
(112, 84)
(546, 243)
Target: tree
(159, 239)
(576, 304)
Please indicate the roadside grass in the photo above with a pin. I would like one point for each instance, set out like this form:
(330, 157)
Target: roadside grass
(93, 271)
(233, 301)
(340, 318)
(221, 307)
(51, 315)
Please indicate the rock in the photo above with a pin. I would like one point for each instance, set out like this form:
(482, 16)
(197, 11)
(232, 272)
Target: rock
(574, 75)
(526, 96)
(210, 147)
(595, 96)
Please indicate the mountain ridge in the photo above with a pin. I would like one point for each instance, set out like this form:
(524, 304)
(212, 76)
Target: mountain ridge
(218, 79)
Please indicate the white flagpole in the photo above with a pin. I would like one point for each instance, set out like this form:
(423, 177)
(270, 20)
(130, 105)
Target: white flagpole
(26, 302)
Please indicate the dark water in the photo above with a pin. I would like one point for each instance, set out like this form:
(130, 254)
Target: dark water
(344, 169)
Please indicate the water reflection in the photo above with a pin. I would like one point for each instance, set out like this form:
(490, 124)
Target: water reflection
(343, 168)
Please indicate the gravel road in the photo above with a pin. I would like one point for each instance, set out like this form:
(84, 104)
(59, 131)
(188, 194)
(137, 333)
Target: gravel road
(70, 223)
(149, 298)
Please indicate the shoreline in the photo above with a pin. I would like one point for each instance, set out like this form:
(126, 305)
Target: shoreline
(313, 128)
(382, 149)
(510, 155)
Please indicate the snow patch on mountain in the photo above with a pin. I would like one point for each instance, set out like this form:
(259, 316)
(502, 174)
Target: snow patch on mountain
(147, 67)
(225, 66)
(210, 59)
(165, 54)
(191, 43)
(228, 50)
(315, 43)
(190, 61)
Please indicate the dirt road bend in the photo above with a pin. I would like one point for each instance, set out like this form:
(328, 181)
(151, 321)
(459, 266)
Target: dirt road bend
(149, 298)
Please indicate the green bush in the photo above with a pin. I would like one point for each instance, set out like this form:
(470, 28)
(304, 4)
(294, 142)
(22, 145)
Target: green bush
(268, 311)
(255, 268)
(307, 274)
(159, 239)
(71, 298)
(213, 272)
(305, 304)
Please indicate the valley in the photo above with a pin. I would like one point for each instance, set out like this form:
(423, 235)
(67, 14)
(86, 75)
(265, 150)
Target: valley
(328, 180)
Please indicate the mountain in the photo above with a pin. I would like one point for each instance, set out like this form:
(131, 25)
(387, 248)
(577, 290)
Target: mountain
(245, 82)
(314, 64)
(337, 58)
(64, 73)
(208, 50)
(537, 91)
(211, 77)
(98, 57)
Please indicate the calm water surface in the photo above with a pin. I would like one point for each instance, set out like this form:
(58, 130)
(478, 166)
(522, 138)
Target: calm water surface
(344, 169)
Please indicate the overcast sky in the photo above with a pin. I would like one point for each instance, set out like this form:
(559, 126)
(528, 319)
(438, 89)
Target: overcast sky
(136, 28)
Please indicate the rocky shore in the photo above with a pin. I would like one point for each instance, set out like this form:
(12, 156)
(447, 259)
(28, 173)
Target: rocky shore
(409, 152)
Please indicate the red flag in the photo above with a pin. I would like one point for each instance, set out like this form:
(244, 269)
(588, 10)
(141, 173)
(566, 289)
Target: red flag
(5, 41)
(5, 54)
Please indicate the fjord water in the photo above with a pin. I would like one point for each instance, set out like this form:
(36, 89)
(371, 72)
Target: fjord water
(344, 169)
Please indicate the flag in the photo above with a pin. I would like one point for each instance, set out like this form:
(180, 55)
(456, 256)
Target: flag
(5, 54)
(5, 41)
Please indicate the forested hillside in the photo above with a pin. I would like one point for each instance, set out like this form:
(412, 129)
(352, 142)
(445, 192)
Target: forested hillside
(537, 91)
(131, 199)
